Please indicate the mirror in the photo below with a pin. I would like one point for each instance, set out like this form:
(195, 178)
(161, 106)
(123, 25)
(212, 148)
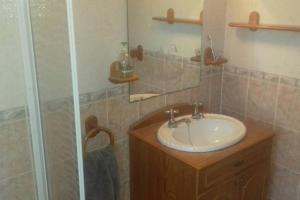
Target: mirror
(165, 46)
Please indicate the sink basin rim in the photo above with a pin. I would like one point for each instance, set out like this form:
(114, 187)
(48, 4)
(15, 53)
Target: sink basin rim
(168, 140)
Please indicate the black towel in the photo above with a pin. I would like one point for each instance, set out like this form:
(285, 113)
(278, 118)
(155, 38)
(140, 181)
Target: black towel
(101, 175)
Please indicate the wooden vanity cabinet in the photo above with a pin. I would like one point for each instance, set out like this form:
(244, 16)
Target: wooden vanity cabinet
(237, 173)
(158, 176)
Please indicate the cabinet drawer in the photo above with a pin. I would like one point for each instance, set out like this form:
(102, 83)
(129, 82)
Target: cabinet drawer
(233, 165)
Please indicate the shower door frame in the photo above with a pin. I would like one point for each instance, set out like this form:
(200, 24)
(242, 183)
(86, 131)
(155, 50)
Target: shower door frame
(32, 94)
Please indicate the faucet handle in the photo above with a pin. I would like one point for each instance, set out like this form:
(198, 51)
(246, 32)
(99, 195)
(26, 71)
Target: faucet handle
(197, 114)
(172, 121)
(172, 112)
(198, 104)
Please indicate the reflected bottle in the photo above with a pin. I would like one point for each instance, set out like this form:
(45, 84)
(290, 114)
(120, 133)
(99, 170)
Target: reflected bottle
(126, 70)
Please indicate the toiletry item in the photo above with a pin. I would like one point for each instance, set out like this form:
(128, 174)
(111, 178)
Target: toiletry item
(126, 70)
(197, 51)
(115, 69)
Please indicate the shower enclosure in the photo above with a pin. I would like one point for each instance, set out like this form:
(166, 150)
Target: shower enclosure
(39, 107)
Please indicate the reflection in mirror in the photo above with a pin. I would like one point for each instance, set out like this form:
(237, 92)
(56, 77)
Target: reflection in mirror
(169, 33)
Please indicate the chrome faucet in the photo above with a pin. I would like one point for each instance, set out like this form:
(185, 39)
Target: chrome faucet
(197, 114)
(172, 121)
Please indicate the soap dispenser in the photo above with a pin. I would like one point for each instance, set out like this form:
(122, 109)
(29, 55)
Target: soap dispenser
(126, 69)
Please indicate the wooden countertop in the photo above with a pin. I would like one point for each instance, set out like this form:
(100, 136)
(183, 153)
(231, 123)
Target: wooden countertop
(255, 135)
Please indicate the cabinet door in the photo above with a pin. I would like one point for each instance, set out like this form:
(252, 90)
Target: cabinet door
(253, 182)
(224, 191)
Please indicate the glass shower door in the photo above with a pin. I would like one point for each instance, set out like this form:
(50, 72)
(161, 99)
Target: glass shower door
(49, 23)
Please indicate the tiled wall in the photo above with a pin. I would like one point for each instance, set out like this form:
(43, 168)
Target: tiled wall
(274, 101)
(259, 83)
(114, 111)
(16, 173)
(163, 73)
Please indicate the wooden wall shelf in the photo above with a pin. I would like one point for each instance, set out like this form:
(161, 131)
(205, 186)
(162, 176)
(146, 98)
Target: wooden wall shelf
(137, 53)
(170, 19)
(254, 25)
(116, 76)
(120, 80)
(210, 60)
(196, 59)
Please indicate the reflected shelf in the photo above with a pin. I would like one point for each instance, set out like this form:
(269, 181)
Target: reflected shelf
(170, 19)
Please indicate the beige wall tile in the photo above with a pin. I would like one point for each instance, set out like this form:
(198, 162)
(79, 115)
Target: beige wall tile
(121, 114)
(179, 97)
(191, 76)
(15, 152)
(19, 187)
(288, 107)
(64, 180)
(150, 105)
(284, 184)
(60, 137)
(229, 112)
(286, 149)
(122, 154)
(262, 100)
(145, 68)
(235, 92)
(158, 79)
(173, 75)
(216, 90)
(202, 92)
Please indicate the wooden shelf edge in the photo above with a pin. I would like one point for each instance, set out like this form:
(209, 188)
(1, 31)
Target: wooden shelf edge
(254, 25)
(171, 19)
(196, 59)
(220, 61)
(119, 80)
(178, 20)
(210, 60)
(266, 27)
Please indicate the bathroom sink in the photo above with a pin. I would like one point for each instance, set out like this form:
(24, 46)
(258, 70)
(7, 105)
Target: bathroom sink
(214, 132)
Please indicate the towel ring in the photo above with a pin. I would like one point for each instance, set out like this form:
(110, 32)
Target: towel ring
(92, 130)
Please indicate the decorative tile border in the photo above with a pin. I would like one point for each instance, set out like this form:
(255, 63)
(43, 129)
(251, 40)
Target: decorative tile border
(117, 91)
(171, 57)
(61, 104)
(12, 114)
(260, 75)
(236, 70)
(58, 104)
(288, 81)
(93, 96)
(215, 70)
(18, 113)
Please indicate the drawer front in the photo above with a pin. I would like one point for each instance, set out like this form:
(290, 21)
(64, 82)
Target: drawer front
(233, 165)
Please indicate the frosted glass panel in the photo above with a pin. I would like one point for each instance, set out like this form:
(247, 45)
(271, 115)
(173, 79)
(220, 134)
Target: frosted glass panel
(16, 170)
(50, 35)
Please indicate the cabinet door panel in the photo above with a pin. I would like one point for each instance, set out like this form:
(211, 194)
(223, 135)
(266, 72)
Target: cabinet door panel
(252, 183)
(225, 191)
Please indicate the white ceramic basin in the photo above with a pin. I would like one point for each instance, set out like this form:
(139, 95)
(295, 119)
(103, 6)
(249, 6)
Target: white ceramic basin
(212, 133)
